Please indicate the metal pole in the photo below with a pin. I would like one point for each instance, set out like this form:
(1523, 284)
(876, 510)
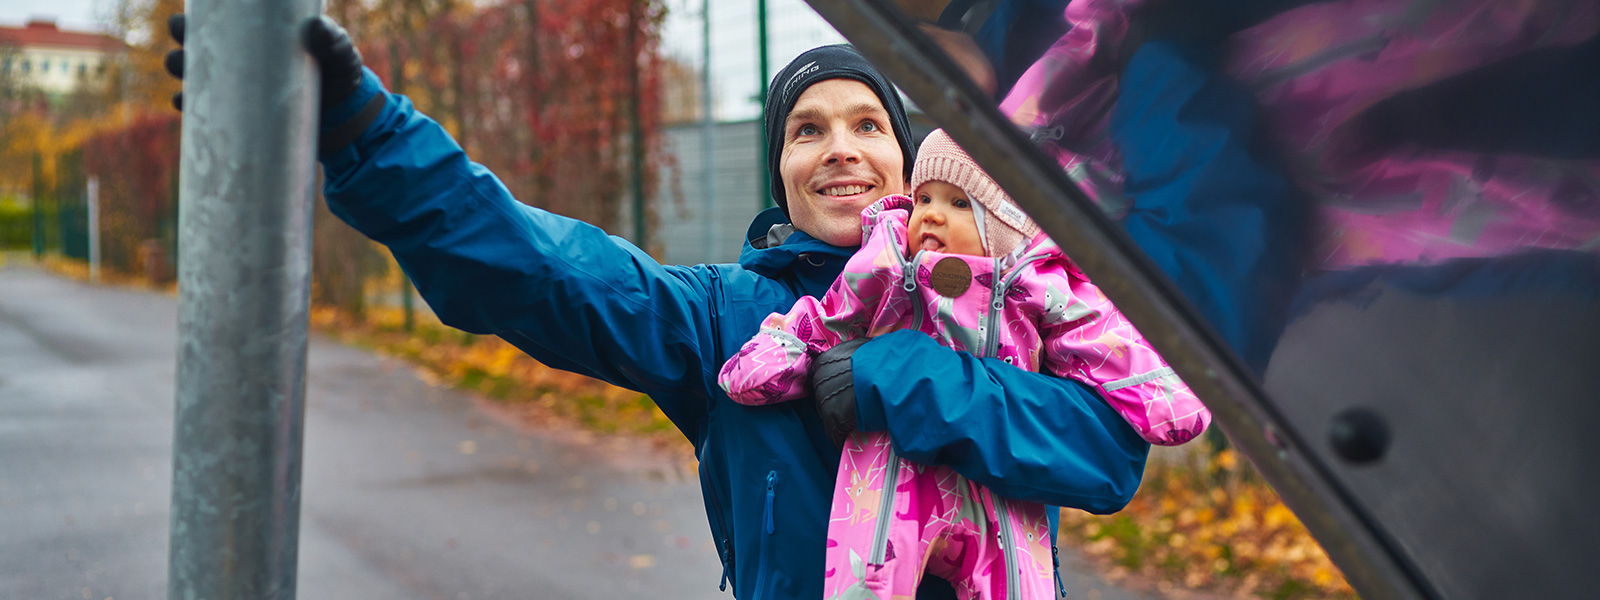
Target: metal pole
(637, 146)
(246, 181)
(38, 205)
(92, 203)
(707, 192)
(397, 83)
(767, 200)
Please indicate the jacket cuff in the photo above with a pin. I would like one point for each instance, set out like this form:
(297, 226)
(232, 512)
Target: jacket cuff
(346, 121)
(870, 415)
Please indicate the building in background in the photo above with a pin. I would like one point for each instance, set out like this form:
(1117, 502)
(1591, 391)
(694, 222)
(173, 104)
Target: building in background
(54, 60)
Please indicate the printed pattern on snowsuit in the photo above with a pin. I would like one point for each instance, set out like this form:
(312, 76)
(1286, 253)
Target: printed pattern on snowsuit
(897, 520)
(893, 519)
(1036, 311)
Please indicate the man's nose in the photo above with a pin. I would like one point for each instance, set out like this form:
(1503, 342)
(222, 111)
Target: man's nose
(842, 149)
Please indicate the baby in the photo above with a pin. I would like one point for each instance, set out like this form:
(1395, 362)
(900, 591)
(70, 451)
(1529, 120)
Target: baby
(960, 262)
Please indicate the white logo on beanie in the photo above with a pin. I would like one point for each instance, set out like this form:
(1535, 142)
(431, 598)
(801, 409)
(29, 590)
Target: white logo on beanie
(811, 67)
(1013, 213)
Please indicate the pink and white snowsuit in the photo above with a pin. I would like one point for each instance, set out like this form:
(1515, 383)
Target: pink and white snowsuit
(892, 519)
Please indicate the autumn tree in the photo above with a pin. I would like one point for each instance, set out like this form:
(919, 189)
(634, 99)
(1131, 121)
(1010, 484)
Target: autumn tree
(543, 94)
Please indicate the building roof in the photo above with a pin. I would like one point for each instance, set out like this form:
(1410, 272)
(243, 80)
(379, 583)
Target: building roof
(43, 32)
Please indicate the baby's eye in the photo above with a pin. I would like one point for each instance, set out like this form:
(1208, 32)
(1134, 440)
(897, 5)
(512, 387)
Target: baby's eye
(924, 199)
(962, 203)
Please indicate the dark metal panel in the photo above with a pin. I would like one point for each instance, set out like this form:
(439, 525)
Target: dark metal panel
(1487, 476)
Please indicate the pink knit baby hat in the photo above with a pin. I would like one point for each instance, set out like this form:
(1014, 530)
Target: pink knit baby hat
(1003, 224)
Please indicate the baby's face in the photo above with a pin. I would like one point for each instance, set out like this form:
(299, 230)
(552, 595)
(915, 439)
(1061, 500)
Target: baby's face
(942, 221)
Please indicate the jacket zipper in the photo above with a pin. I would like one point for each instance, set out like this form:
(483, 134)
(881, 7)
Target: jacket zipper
(880, 537)
(726, 551)
(768, 527)
(727, 558)
(997, 303)
(1055, 559)
(1007, 541)
(908, 282)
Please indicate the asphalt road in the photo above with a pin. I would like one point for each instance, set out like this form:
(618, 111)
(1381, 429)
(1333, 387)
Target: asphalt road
(409, 490)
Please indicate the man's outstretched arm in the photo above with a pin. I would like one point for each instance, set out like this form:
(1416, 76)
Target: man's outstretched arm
(562, 290)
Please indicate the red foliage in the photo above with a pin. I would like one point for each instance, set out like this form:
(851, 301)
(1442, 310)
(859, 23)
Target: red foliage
(541, 92)
(135, 166)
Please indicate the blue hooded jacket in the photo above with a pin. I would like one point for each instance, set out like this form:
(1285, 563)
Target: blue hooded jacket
(578, 299)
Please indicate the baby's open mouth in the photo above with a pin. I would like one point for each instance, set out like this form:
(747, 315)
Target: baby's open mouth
(931, 243)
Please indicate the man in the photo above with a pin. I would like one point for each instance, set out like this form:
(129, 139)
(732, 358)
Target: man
(577, 299)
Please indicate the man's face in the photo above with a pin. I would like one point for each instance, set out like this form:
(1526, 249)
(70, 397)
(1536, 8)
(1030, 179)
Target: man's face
(839, 155)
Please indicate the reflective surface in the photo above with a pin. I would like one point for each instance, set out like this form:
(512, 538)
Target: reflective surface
(1365, 232)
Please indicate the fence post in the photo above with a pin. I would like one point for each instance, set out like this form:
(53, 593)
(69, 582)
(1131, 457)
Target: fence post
(245, 184)
(397, 82)
(38, 205)
(91, 200)
(767, 201)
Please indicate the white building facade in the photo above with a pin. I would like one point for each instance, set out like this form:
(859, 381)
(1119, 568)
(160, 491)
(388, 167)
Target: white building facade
(54, 60)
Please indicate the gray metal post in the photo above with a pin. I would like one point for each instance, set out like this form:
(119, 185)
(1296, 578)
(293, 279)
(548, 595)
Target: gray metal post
(641, 231)
(397, 85)
(38, 205)
(708, 192)
(246, 177)
(767, 201)
(91, 198)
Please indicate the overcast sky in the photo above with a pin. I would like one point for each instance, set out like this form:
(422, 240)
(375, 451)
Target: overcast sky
(69, 14)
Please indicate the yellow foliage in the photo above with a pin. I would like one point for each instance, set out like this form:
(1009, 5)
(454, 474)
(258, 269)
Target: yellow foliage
(493, 367)
(1215, 527)
(27, 134)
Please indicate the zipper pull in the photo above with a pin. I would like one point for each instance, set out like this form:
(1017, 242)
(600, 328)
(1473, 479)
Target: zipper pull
(726, 549)
(997, 298)
(1055, 557)
(909, 279)
(772, 479)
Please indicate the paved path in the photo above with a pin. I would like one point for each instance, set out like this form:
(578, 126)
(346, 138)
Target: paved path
(410, 491)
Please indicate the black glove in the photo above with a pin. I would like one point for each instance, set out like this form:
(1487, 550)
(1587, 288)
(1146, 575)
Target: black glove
(337, 58)
(833, 386)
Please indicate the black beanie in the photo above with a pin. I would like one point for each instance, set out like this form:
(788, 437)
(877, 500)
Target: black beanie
(839, 61)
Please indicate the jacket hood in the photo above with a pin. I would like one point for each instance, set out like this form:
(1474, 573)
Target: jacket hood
(796, 247)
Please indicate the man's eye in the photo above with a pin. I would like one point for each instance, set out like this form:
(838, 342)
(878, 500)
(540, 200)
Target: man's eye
(869, 127)
(809, 130)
